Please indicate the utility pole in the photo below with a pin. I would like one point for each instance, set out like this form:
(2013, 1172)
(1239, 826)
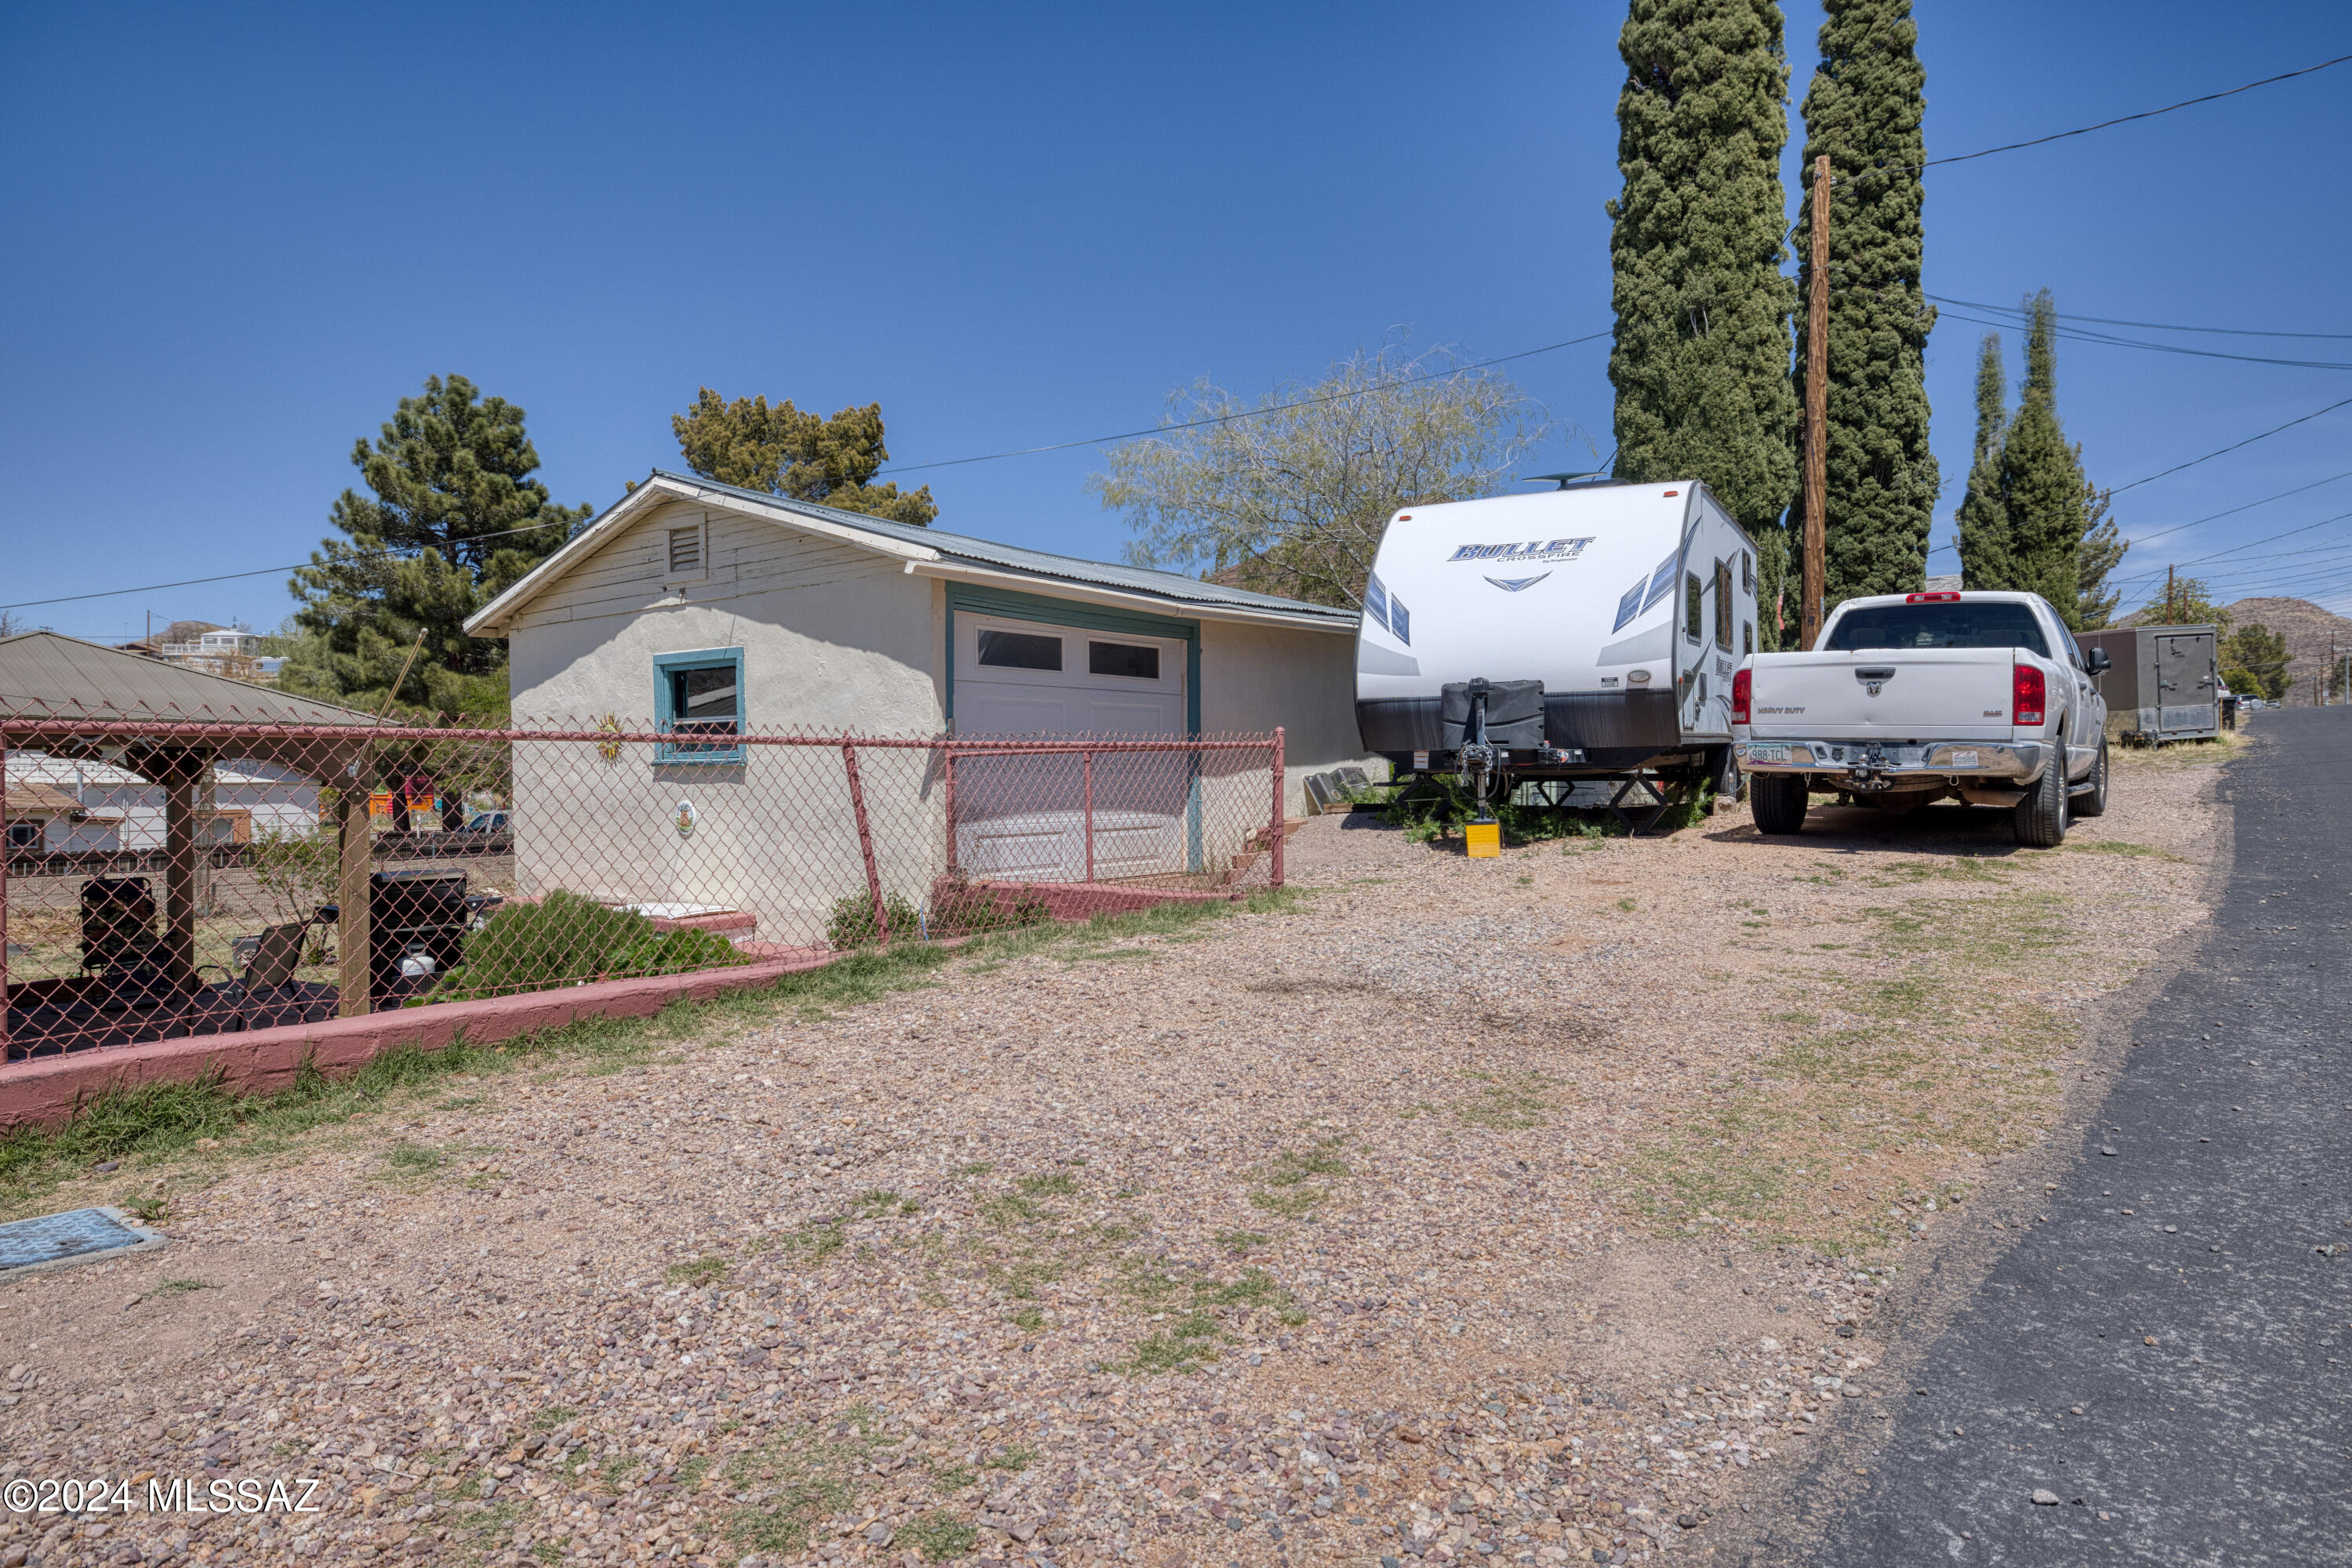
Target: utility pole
(2167, 597)
(1817, 405)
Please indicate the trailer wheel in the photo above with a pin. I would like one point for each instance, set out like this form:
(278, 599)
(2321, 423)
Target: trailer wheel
(1779, 802)
(2040, 819)
(2094, 802)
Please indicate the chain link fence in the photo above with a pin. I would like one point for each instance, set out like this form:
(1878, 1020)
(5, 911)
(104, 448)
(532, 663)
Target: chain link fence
(185, 875)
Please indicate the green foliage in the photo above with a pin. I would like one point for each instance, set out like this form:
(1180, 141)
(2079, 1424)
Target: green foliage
(1982, 519)
(450, 477)
(2029, 506)
(2102, 551)
(1441, 805)
(939, 1537)
(565, 938)
(959, 909)
(2254, 659)
(295, 872)
(702, 1271)
(852, 924)
(1701, 359)
(1293, 499)
(1863, 111)
(832, 462)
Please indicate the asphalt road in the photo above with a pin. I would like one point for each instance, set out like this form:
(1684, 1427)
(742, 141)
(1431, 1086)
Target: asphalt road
(2168, 1356)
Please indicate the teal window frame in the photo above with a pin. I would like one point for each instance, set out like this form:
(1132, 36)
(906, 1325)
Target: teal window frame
(665, 715)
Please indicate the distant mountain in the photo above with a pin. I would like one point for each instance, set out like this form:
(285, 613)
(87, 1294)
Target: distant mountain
(2308, 629)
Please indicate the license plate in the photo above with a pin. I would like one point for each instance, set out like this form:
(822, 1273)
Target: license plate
(1965, 760)
(1768, 753)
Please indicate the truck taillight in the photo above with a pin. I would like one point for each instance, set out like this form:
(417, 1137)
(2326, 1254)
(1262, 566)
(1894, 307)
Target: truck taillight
(2026, 697)
(1743, 682)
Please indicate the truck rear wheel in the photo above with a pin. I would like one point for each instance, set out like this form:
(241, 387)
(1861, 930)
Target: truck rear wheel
(1778, 801)
(2040, 819)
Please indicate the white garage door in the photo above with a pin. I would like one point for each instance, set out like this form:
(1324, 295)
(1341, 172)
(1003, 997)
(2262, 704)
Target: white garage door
(1028, 818)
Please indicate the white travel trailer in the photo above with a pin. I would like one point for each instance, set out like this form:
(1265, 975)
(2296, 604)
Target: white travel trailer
(1588, 632)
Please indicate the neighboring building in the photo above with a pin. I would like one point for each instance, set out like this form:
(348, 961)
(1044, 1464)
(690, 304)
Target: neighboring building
(36, 813)
(697, 604)
(111, 808)
(230, 651)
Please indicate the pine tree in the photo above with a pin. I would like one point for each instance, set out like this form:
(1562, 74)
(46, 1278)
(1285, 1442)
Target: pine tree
(2102, 551)
(454, 521)
(1983, 521)
(2042, 481)
(1864, 110)
(777, 448)
(1701, 359)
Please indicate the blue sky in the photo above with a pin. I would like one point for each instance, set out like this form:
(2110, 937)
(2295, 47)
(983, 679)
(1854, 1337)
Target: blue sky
(243, 232)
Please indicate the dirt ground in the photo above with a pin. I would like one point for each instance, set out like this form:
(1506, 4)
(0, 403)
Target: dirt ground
(1533, 1209)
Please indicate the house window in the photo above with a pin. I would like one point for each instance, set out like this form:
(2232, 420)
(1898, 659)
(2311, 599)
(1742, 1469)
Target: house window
(1693, 606)
(1137, 661)
(1019, 650)
(686, 551)
(24, 836)
(699, 703)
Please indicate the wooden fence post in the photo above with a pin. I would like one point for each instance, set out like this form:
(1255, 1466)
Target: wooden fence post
(1276, 823)
(866, 846)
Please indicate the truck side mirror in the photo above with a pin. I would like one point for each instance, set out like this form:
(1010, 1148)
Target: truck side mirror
(2096, 661)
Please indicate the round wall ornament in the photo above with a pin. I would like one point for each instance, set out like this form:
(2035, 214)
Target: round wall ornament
(685, 819)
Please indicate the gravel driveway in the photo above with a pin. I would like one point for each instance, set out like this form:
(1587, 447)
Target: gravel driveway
(1524, 1210)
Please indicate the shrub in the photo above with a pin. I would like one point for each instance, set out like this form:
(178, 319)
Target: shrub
(565, 938)
(852, 924)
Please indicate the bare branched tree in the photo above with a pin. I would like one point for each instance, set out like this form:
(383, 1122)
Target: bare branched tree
(1289, 495)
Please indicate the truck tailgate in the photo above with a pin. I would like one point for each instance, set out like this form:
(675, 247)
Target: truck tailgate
(1941, 694)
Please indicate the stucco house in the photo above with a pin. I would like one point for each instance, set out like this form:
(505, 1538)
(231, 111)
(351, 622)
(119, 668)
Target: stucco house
(697, 608)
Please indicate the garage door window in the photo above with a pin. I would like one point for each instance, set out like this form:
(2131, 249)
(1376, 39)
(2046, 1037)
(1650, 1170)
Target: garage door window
(698, 704)
(1019, 650)
(1136, 661)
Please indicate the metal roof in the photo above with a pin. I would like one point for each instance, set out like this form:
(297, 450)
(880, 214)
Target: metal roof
(1173, 589)
(44, 675)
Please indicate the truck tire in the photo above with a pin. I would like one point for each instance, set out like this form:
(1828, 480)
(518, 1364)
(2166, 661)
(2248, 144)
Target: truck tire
(1779, 802)
(2094, 802)
(2040, 819)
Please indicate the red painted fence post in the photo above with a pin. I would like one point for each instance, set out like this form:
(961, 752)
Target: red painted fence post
(866, 846)
(1089, 758)
(951, 821)
(1275, 825)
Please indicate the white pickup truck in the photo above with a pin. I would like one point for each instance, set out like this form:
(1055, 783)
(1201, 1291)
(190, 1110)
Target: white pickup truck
(1908, 699)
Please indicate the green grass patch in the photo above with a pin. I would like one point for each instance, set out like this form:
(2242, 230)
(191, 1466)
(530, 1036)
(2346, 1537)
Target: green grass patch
(1010, 1457)
(792, 1482)
(180, 1287)
(702, 1271)
(1511, 1103)
(952, 1478)
(1049, 1184)
(1030, 1320)
(939, 1537)
(1239, 1241)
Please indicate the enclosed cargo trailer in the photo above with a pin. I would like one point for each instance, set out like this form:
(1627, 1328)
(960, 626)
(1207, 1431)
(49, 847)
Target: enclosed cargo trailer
(2163, 683)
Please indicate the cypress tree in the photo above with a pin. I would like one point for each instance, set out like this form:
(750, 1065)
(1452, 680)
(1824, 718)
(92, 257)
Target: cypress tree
(1701, 358)
(1983, 521)
(1864, 110)
(2042, 481)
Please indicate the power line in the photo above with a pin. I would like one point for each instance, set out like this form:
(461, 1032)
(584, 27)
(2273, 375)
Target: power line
(268, 571)
(2144, 114)
(2232, 446)
(2233, 511)
(2078, 335)
(1245, 412)
(2151, 326)
(2249, 544)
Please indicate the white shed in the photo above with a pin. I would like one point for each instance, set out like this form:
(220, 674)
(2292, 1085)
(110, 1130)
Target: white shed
(690, 604)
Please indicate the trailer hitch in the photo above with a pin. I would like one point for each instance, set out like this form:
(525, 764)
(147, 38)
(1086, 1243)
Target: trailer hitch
(1479, 760)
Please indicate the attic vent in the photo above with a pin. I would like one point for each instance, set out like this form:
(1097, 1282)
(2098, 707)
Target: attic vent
(686, 551)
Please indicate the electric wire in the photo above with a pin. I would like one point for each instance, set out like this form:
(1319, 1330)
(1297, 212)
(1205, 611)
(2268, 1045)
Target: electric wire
(2077, 335)
(2127, 119)
(2150, 326)
(1247, 413)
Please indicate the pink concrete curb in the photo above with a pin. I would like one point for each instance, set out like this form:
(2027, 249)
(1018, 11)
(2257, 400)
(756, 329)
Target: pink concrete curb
(48, 1091)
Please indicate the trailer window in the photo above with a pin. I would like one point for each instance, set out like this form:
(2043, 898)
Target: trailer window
(1694, 608)
(1747, 638)
(1723, 605)
(1982, 624)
